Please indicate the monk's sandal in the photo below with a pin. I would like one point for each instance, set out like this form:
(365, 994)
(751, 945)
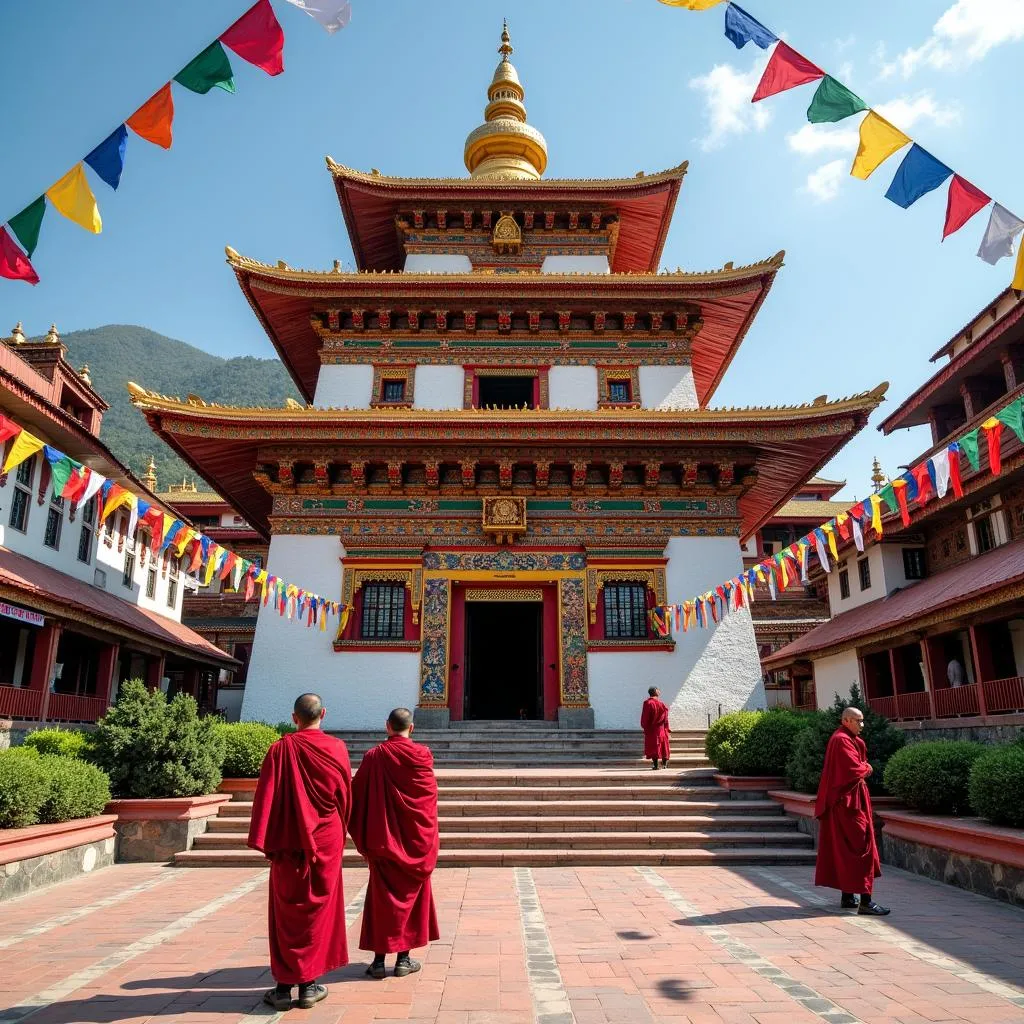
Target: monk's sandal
(377, 970)
(279, 998)
(310, 995)
(407, 966)
(872, 908)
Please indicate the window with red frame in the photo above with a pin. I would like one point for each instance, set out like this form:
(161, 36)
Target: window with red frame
(625, 611)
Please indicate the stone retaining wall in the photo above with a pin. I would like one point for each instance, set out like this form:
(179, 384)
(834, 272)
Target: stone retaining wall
(21, 876)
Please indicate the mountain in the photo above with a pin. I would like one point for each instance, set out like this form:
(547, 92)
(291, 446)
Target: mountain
(119, 353)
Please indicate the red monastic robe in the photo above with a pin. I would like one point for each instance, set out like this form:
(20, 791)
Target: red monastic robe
(654, 722)
(299, 816)
(847, 854)
(394, 826)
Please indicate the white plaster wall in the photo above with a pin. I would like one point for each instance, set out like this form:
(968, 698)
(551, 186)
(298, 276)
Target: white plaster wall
(574, 265)
(873, 553)
(339, 387)
(572, 387)
(358, 688)
(834, 676)
(439, 387)
(707, 668)
(431, 263)
(667, 387)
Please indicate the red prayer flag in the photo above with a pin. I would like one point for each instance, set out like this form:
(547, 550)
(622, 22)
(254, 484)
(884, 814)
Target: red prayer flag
(963, 201)
(76, 484)
(786, 70)
(8, 428)
(954, 472)
(153, 120)
(197, 556)
(923, 480)
(257, 37)
(14, 264)
(900, 490)
(994, 434)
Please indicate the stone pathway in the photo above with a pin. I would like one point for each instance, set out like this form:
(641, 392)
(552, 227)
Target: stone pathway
(704, 945)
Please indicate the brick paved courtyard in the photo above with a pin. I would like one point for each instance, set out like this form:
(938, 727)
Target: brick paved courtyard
(139, 943)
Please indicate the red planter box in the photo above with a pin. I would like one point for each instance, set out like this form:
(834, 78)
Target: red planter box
(174, 808)
(37, 840)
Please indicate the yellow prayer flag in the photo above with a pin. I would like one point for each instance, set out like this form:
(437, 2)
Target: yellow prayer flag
(876, 514)
(186, 536)
(830, 533)
(211, 563)
(1018, 274)
(24, 447)
(73, 197)
(878, 141)
(692, 5)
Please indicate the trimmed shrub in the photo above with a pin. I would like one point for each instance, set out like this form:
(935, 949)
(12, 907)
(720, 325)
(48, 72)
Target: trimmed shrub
(77, 789)
(726, 737)
(283, 728)
(245, 746)
(24, 785)
(932, 776)
(996, 785)
(769, 743)
(154, 748)
(62, 742)
(883, 739)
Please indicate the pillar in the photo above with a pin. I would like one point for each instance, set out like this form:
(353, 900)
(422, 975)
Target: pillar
(44, 658)
(929, 674)
(982, 666)
(106, 670)
(154, 672)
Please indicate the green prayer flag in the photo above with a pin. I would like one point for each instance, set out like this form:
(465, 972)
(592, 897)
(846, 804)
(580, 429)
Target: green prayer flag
(888, 495)
(1013, 417)
(211, 68)
(27, 223)
(60, 473)
(969, 446)
(833, 102)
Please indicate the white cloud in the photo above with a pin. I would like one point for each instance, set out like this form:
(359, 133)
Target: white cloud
(727, 107)
(812, 139)
(963, 34)
(823, 184)
(907, 111)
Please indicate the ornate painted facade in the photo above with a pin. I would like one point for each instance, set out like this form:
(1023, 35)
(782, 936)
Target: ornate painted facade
(508, 456)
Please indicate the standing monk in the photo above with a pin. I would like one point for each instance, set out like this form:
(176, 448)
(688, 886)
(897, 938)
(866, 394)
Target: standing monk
(394, 826)
(299, 815)
(654, 722)
(847, 855)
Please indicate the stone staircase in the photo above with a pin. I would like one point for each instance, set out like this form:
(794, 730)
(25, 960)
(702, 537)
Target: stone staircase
(537, 796)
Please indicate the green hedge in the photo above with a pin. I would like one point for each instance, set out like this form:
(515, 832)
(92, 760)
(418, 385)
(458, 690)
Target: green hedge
(725, 739)
(996, 785)
(48, 789)
(883, 739)
(769, 743)
(245, 746)
(932, 776)
(152, 747)
(63, 742)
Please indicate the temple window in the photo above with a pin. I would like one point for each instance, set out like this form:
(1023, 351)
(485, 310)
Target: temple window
(393, 386)
(913, 563)
(394, 390)
(172, 593)
(506, 392)
(128, 576)
(383, 612)
(54, 520)
(844, 583)
(22, 495)
(151, 583)
(617, 386)
(625, 611)
(864, 569)
(87, 531)
(618, 391)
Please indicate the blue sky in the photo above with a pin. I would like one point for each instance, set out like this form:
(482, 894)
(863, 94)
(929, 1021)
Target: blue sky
(616, 86)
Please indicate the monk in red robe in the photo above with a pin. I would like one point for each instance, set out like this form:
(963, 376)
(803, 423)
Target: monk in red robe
(847, 854)
(394, 826)
(654, 722)
(299, 816)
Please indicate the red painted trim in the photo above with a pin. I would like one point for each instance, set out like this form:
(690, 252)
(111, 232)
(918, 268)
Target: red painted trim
(457, 655)
(178, 808)
(970, 837)
(626, 646)
(353, 628)
(549, 654)
(745, 783)
(38, 840)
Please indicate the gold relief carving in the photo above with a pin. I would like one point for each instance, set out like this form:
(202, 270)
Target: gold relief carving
(606, 375)
(597, 578)
(507, 236)
(504, 518)
(510, 596)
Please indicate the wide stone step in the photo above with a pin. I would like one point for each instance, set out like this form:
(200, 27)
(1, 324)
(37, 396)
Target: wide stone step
(739, 855)
(704, 777)
(578, 808)
(588, 793)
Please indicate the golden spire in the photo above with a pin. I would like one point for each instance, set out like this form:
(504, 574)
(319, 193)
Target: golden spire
(878, 478)
(52, 337)
(85, 374)
(149, 479)
(17, 335)
(505, 146)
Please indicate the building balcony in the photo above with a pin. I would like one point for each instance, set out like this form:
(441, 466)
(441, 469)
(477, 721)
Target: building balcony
(991, 696)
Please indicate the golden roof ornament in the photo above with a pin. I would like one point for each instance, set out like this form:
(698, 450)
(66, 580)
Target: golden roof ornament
(505, 147)
(878, 478)
(84, 373)
(149, 479)
(18, 334)
(52, 337)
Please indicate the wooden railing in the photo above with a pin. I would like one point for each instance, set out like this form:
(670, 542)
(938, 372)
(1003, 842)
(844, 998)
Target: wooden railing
(1002, 695)
(20, 702)
(951, 701)
(903, 706)
(67, 707)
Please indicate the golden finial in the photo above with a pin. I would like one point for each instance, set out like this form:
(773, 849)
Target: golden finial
(878, 478)
(84, 374)
(149, 478)
(18, 335)
(505, 147)
(52, 337)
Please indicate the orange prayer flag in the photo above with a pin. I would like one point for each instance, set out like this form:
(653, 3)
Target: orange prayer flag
(153, 120)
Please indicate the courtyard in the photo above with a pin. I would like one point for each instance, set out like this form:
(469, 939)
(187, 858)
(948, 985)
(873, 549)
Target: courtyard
(625, 945)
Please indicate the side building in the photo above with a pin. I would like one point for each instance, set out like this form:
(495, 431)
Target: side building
(82, 606)
(930, 621)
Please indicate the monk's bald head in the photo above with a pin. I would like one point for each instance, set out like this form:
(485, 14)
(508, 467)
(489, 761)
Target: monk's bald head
(654, 691)
(308, 710)
(399, 722)
(853, 719)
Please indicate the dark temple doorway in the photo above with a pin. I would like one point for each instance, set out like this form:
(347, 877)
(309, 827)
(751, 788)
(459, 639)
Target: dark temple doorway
(503, 660)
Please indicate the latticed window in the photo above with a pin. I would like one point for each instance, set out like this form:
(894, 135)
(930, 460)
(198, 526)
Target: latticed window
(22, 494)
(54, 519)
(394, 390)
(618, 391)
(383, 611)
(151, 582)
(88, 528)
(625, 611)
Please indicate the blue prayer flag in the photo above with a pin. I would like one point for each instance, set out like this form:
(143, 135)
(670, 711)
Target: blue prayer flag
(107, 159)
(918, 174)
(53, 456)
(741, 28)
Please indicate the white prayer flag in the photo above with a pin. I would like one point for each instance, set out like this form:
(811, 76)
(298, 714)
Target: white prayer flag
(771, 584)
(803, 563)
(332, 14)
(822, 553)
(92, 487)
(940, 460)
(133, 518)
(1003, 228)
(858, 533)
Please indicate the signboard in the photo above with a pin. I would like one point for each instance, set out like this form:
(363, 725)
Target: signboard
(12, 611)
